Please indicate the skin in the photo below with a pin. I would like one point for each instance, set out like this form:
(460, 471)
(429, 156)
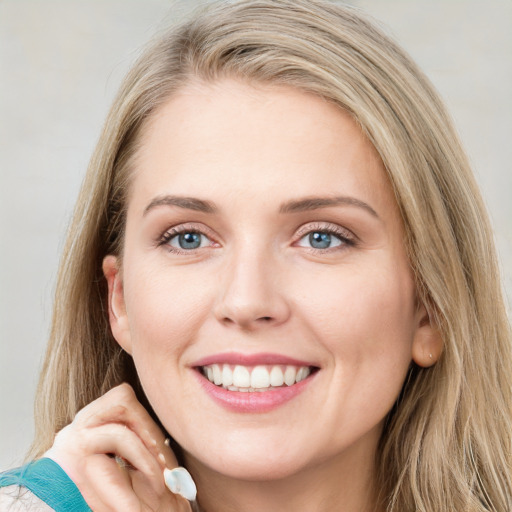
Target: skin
(116, 423)
(257, 286)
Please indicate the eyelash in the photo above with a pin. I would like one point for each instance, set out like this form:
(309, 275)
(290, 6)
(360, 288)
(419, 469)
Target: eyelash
(179, 230)
(346, 238)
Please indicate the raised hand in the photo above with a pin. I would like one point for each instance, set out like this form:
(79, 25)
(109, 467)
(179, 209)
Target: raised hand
(116, 455)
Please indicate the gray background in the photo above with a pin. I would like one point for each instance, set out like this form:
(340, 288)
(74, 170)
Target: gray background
(60, 65)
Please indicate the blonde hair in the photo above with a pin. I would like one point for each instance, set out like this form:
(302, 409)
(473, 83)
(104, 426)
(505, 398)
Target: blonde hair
(446, 445)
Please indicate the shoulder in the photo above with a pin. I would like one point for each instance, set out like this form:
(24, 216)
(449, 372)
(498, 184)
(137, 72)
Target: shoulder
(41, 485)
(15, 498)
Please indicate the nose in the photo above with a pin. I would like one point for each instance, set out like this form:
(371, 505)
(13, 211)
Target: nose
(251, 295)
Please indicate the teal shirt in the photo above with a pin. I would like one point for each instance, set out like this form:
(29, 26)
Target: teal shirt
(48, 481)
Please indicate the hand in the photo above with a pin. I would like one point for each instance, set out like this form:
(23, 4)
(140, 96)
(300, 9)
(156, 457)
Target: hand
(117, 424)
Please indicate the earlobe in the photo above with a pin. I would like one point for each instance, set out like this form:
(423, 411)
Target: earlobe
(427, 343)
(116, 304)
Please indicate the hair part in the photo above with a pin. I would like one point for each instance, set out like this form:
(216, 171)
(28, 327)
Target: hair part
(447, 442)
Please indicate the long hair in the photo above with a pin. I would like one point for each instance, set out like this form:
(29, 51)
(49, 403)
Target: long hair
(446, 444)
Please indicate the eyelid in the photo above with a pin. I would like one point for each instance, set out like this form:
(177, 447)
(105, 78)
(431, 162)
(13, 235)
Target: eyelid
(336, 229)
(341, 232)
(188, 227)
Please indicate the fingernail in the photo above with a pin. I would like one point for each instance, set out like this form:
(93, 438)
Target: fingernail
(167, 442)
(179, 481)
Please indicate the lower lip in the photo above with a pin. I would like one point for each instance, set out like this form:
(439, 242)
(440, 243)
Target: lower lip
(256, 401)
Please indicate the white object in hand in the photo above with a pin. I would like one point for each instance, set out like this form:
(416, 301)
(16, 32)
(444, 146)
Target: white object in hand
(179, 481)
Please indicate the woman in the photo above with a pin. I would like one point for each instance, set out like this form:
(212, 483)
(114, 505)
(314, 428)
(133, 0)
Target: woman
(280, 249)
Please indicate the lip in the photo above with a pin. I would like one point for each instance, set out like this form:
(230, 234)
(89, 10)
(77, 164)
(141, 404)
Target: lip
(257, 401)
(250, 360)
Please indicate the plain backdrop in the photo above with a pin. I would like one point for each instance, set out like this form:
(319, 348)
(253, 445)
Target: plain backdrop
(60, 65)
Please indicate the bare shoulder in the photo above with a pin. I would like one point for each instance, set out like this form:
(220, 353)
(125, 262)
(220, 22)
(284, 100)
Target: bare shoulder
(14, 498)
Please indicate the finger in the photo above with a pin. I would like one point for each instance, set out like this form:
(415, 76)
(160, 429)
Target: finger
(120, 402)
(142, 482)
(168, 458)
(111, 438)
(122, 441)
(108, 488)
(139, 424)
(120, 405)
(97, 477)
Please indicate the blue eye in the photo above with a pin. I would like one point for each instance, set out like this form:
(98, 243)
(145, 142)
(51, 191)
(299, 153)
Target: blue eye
(188, 240)
(321, 240)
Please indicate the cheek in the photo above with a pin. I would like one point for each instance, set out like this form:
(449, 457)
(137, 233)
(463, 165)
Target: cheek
(166, 311)
(165, 308)
(366, 323)
(366, 320)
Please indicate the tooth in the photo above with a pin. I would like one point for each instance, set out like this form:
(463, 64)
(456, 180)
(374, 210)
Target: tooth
(217, 374)
(241, 377)
(260, 377)
(227, 375)
(302, 373)
(276, 376)
(289, 375)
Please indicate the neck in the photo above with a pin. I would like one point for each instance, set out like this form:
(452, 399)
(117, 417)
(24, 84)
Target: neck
(344, 484)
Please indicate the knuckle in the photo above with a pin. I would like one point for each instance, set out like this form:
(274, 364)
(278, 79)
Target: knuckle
(80, 415)
(124, 392)
(119, 413)
(64, 434)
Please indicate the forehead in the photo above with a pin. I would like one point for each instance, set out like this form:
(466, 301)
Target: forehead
(237, 139)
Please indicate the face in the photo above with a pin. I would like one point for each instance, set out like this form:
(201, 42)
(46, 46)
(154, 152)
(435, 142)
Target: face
(264, 252)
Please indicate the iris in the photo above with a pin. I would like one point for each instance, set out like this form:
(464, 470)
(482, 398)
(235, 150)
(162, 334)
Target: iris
(189, 240)
(320, 240)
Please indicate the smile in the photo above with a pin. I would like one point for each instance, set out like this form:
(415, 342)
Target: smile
(254, 378)
(253, 383)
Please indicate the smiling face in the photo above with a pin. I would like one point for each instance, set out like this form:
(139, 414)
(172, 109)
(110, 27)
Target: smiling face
(262, 232)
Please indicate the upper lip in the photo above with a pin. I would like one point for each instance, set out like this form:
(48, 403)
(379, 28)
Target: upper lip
(250, 359)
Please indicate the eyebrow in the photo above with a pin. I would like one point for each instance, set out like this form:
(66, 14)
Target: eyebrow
(294, 206)
(188, 203)
(315, 203)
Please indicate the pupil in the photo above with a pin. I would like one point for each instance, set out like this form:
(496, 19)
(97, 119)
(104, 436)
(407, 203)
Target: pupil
(189, 240)
(320, 240)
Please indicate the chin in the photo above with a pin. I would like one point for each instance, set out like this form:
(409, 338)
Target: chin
(252, 463)
(263, 469)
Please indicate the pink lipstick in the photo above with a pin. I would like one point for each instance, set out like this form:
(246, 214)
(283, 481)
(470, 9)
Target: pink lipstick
(253, 383)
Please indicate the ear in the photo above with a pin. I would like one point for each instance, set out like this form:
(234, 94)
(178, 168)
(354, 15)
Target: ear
(427, 343)
(116, 305)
